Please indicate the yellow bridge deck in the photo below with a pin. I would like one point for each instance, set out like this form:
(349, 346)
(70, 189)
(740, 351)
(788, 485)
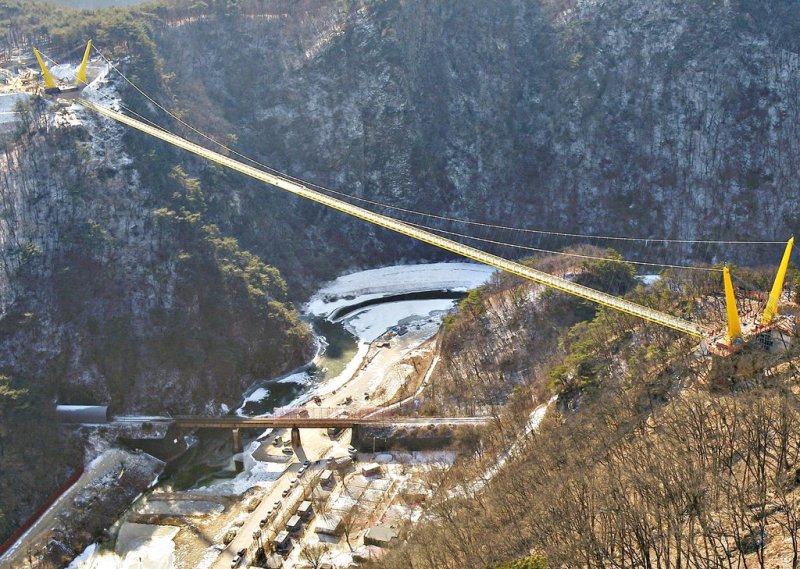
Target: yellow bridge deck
(395, 225)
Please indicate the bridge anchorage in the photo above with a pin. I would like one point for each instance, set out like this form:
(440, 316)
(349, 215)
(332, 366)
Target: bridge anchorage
(731, 340)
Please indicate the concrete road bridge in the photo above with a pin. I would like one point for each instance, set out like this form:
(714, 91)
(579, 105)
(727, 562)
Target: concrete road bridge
(296, 418)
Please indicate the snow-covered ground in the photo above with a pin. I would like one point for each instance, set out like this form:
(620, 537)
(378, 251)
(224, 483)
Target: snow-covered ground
(370, 322)
(143, 545)
(106, 139)
(254, 474)
(101, 472)
(647, 280)
(366, 325)
(422, 317)
(8, 106)
(535, 419)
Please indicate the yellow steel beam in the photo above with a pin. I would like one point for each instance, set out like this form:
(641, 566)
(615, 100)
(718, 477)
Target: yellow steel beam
(734, 326)
(390, 223)
(777, 287)
(49, 82)
(80, 79)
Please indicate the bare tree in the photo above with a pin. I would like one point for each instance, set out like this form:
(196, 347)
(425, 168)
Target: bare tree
(352, 521)
(314, 553)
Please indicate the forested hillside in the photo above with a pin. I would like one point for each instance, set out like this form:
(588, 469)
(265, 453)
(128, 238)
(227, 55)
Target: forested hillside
(135, 275)
(116, 285)
(89, 4)
(652, 455)
(617, 118)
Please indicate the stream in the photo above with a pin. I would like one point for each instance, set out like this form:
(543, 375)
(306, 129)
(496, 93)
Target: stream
(209, 461)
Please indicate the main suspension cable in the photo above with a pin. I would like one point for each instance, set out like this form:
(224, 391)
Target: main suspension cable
(565, 253)
(428, 214)
(421, 226)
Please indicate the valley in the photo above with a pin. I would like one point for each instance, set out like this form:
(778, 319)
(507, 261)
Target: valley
(216, 501)
(621, 393)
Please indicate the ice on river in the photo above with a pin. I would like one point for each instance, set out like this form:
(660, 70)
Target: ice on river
(358, 287)
(369, 323)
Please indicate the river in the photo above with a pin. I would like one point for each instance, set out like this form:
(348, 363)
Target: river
(208, 462)
(412, 308)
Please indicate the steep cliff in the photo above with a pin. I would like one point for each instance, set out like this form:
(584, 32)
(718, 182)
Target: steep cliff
(134, 274)
(116, 299)
(116, 288)
(625, 118)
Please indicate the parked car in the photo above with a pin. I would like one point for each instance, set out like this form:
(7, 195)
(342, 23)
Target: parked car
(287, 451)
(306, 463)
(285, 493)
(238, 557)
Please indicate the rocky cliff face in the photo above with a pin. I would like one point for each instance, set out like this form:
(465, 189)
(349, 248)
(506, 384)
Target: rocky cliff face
(107, 297)
(134, 274)
(625, 118)
(116, 288)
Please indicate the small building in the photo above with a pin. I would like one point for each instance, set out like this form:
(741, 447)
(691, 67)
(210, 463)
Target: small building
(294, 525)
(342, 462)
(371, 469)
(381, 536)
(283, 542)
(331, 525)
(327, 480)
(305, 511)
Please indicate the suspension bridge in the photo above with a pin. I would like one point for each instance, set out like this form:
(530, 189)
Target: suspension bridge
(286, 183)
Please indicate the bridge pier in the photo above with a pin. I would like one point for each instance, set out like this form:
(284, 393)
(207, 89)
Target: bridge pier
(237, 441)
(296, 437)
(355, 436)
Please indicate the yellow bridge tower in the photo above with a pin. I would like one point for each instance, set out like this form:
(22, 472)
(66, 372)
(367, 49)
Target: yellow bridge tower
(52, 87)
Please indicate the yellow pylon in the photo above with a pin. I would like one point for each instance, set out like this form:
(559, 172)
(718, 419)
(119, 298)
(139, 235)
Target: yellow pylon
(734, 326)
(777, 288)
(49, 82)
(80, 79)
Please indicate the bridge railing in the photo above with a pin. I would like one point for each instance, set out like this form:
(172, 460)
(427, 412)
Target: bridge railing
(322, 413)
